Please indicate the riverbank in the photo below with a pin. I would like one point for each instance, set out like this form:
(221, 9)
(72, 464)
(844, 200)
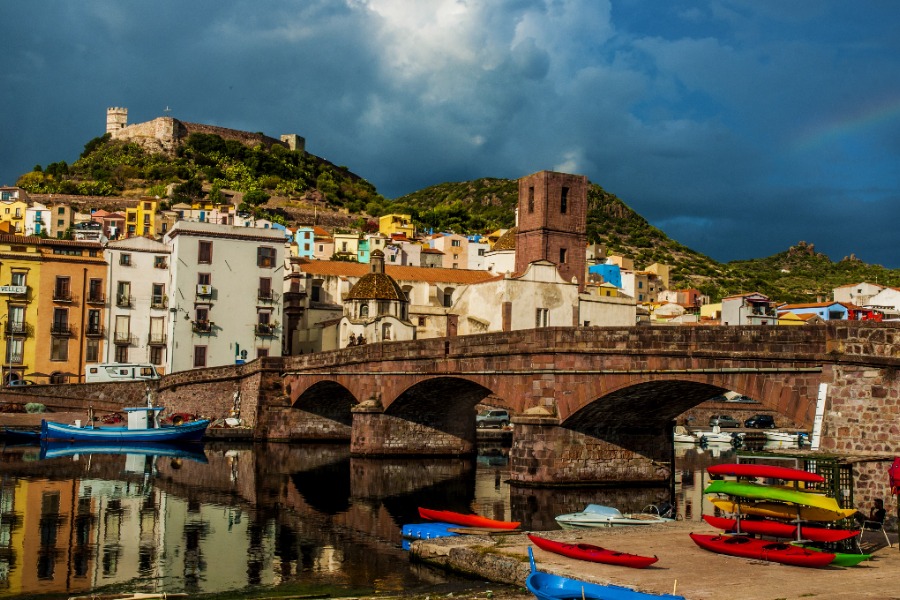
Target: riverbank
(683, 567)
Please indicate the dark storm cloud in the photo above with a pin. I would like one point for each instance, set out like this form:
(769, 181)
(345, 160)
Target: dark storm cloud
(737, 127)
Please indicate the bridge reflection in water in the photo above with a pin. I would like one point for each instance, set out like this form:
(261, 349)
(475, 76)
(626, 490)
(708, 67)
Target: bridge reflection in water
(302, 518)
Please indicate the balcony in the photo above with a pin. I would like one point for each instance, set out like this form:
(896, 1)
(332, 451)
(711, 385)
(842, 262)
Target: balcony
(18, 329)
(94, 330)
(14, 290)
(14, 359)
(159, 301)
(157, 339)
(96, 297)
(61, 330)
(161, 265)
(124, 301)
(265, 295)
(204, 291)
(124, 338)
(265, 330)
(62, 296)
(202, 327)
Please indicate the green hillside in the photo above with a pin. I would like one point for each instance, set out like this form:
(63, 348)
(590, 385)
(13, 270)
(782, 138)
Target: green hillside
(296, 187)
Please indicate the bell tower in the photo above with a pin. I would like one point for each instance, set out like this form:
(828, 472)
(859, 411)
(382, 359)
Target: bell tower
(116, 118)
(552, 223)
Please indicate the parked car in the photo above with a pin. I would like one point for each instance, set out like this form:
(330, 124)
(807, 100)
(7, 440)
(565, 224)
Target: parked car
(724, 421)
(492, 418)
(760, 422)
(19, 382)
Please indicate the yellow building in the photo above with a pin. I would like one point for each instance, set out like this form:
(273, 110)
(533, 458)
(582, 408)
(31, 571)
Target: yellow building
(140, 220)
(20, 276)
(12, 210)
(390, 224)
(71, 301)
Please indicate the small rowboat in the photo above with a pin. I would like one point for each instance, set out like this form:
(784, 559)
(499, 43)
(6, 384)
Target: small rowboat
(777, 510)
(546, 586)
(597, 515)
(782, 530)
(767, 471)
(593, 553)
(745, 547)
(456, 518)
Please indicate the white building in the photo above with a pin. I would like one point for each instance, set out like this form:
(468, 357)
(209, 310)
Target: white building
(857, 293)
(887, 302)
(225, 292)
(37, 219)
(477, 252)
(138, 317)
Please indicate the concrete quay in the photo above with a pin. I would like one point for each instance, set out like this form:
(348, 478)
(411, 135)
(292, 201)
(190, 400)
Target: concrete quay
(683, 567)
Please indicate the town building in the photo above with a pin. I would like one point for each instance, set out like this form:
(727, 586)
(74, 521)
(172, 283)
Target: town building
(20, 282)
(826, 311)
(748, 309)
(389, 225)
(857, 293)
(455, 248)
(37, 220)
(478, 247)
(61, 218)
(138, 315)
(225, 289)
(140, 219)
(886, 302)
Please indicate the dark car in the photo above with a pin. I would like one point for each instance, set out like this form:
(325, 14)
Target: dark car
(492, 418)
(760, 422)
(724, 421)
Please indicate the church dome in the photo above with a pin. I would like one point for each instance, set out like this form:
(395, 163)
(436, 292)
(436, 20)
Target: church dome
(376, 285)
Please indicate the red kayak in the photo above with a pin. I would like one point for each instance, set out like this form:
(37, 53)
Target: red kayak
(745, 547)
(593, 553)
(446, 516)
(782, 530)
(771, 471)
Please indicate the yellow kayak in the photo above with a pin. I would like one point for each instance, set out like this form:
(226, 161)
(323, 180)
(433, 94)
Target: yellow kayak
(777, 510)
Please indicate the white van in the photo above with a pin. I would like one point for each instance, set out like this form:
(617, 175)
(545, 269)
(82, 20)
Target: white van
(106, 372)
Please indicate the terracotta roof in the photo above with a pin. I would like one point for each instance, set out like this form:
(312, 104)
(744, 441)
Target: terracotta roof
(338, 268)
(507, 241)
(807, 305)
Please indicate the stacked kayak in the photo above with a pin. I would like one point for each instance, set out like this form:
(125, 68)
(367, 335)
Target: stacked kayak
(465, 520)
(593, 553)
(780, 529)
(755, 491)
(739, 545)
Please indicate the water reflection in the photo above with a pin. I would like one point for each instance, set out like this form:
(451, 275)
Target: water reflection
(232, 517)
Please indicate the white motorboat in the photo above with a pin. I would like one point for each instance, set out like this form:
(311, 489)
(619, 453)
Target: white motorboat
(716, 436)
(682, 436)
(796, 438)
(597, 515)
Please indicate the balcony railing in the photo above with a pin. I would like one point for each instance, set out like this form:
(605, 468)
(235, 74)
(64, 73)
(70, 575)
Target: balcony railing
(264, 295)
(96, 298)
(18, 329)
(161, 265)
(61, 329)
(159, 301)
(62, 296)
(264, 330)
(124, 338)
(14, 359)
(202, 327)
(124, 301)
(156, 339)
(94, 330)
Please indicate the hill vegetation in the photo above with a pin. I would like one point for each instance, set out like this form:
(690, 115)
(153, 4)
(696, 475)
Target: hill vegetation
(293, 187)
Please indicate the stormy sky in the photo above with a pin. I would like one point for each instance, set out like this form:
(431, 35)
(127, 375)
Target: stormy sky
(738, 127)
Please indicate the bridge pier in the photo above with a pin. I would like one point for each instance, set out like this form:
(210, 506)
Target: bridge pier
(547, 454)
(376, 433)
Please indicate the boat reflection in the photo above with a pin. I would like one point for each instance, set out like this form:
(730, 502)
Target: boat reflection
(51, 450)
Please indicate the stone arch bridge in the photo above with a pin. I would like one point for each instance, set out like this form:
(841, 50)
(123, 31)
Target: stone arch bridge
(590, 404)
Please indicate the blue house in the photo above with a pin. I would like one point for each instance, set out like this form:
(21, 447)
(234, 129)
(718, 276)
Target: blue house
(606, 274)
(827, 311)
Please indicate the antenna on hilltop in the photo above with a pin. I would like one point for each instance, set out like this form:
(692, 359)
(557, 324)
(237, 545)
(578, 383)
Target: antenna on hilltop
(167, 110)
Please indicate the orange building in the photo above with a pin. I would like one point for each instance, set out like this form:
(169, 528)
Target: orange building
(70, 302)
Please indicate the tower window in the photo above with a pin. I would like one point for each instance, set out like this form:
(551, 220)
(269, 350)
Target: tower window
(531, 199)
(564, 200)
(562, 256)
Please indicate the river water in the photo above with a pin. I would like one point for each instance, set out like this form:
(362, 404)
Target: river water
(259, 519)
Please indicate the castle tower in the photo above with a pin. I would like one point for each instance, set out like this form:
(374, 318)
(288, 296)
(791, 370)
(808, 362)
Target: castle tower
(116, 118)
(552, 223)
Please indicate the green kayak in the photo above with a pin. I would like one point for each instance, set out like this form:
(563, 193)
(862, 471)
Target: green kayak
(766, 492)
(841, 559)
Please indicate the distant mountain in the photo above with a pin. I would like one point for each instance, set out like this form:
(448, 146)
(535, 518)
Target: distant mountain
(295, 187)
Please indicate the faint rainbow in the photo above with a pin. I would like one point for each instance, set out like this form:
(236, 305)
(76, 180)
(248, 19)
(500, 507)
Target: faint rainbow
(851, 124)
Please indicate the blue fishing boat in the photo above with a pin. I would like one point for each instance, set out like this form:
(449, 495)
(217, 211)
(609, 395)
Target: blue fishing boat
(142, 426)
(21, 436)
(555, 587)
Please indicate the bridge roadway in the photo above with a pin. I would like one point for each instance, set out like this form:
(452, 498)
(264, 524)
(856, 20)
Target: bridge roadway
(590, 404)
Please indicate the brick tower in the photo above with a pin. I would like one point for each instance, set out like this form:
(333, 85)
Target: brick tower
(552, 223)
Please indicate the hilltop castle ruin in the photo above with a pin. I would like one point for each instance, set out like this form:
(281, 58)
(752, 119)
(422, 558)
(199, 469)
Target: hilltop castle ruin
(165, 134)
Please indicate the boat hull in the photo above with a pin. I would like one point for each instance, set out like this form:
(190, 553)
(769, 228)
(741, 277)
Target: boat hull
(776, 510)
(593, 553)
(597, 515)
(782, 530)
(767, 471)
(745, 547)
(456, 518)
(546, 586)
(186, 433)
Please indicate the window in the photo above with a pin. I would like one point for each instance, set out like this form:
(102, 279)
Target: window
(204, 253)
(563, 200)
(156, 355)
(123, 294)
(121, 354)
(202, 314)
(59, 348)
(158, 295)
(265, 257)
(60, 321)
(122, 332)
(640, 285)
(93, 324)
(265, 288)
(204, 279)
(422, 321)
(531, 199)
(448, 297)
(95, 290)
(541, 317)
(481, 252)
(159, 262)
(18, 278)
(61, 289)
(92, 350)
(364, 311)
(125, 260)
(562, 256)
(199, 356)
(456, 243)
(157, 331)
(316, 292)
(261, 352)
